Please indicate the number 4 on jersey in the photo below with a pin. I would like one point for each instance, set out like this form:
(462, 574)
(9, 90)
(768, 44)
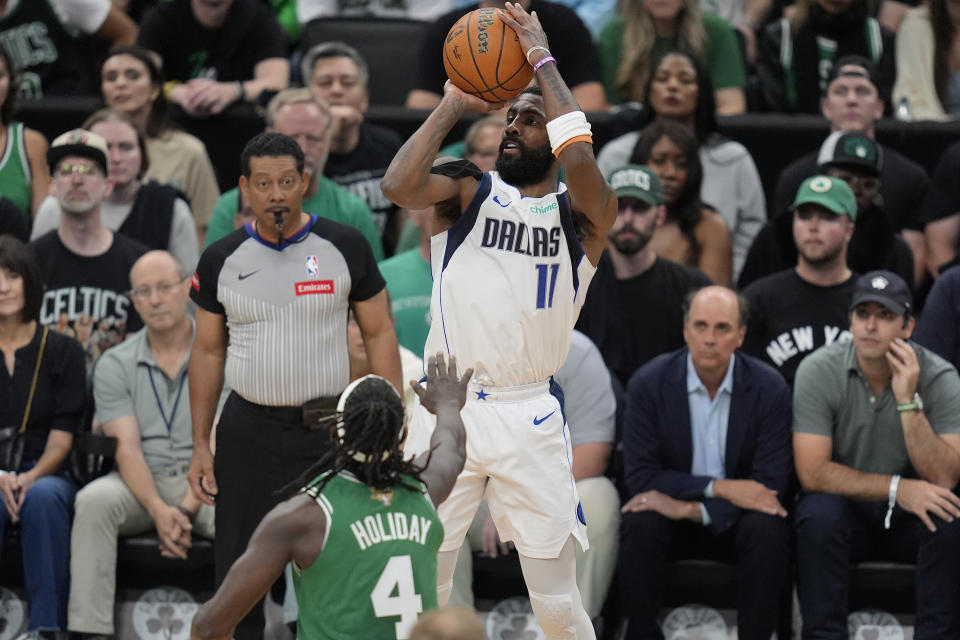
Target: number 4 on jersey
(397, 576)
(545, 295)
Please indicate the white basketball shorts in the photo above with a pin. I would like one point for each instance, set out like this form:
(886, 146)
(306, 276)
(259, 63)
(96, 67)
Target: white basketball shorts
(518, 448)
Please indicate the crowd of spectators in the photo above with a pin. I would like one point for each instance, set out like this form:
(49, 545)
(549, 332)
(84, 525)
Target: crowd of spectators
(849, 257)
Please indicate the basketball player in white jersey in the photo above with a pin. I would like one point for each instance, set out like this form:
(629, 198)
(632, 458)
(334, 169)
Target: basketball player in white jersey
(510, 274)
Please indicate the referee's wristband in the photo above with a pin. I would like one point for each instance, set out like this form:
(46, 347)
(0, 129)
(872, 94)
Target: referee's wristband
(891, 500)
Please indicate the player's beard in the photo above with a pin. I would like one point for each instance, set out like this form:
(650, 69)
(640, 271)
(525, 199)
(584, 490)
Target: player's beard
(528, 166)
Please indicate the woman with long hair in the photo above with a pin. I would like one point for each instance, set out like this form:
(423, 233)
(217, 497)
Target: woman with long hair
(631, 43)
(43, 386)
(680, 90)
(24, 175)
(692, 232)
(131, 82)
(928, 62)
(154, 214)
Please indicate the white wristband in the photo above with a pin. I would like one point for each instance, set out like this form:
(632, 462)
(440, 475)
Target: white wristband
(569, 125)
(891, 500)
(536, 48)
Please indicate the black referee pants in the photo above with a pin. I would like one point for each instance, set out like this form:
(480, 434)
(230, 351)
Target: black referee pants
(259, 451)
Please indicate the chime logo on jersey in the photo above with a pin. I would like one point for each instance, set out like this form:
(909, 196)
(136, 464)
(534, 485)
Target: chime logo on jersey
(313, 268)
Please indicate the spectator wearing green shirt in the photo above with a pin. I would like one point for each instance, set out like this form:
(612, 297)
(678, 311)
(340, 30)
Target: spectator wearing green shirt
(410, 284)
(306, 119)
(632, 41)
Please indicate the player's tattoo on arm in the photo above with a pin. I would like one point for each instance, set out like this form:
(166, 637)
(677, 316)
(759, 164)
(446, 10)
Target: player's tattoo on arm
(558, 88)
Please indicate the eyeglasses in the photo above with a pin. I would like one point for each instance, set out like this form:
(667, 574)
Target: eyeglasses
(163, 288)
(66, 170)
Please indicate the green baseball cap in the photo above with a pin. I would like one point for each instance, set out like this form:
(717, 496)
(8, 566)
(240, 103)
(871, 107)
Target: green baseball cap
(637, 181)
(831, 193)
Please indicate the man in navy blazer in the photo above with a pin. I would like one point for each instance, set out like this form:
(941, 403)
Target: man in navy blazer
(707, 451)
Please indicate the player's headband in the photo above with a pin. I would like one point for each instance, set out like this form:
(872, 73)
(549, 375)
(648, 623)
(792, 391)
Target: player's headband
(360, 456)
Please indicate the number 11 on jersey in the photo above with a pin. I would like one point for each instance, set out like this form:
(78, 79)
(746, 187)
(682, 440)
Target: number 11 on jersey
(545, 295)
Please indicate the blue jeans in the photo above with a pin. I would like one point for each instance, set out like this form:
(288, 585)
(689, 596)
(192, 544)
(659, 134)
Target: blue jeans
(832, 533)
(45, 538)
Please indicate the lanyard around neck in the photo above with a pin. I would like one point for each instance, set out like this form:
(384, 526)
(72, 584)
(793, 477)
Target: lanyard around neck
(173, 412)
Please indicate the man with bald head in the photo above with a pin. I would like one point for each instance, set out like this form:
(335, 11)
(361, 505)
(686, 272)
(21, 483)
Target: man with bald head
(142, 400)
(706, 446)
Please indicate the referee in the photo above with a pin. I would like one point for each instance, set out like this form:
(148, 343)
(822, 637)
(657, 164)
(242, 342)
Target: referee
(273, 299)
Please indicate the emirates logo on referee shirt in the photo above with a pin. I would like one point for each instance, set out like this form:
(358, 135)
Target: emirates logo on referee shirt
(313, 286)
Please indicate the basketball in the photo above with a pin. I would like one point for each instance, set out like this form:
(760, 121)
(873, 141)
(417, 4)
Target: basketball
(483, 57)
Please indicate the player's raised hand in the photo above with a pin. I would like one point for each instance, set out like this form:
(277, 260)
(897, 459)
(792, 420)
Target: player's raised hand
(528, 29)
(443, 386)
(468, 103)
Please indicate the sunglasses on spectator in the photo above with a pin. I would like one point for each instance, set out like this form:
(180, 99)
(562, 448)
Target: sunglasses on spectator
(65, 169)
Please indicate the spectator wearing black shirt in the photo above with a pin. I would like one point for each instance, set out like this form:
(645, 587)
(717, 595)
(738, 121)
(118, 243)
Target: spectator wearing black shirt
(216, 54)
(630, 275)
(798, 310)
(55, 43)
(41, 391)
(858, 160)
(360, 151)
(938, 328)
(797, 55)
(852, 103)
(941, 211)
(570, 43)
(84, 264)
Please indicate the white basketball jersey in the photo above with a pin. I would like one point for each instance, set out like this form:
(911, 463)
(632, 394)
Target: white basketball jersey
(509, 279)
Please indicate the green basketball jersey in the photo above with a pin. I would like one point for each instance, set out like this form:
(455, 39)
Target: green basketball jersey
(378, 568)
(15, 174)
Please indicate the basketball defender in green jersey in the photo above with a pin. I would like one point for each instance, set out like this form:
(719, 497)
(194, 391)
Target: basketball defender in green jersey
(362, 531)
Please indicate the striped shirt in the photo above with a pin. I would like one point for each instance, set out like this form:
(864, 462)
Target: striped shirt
(286, 309)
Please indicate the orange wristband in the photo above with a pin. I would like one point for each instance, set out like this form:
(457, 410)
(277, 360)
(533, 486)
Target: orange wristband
(582, 138)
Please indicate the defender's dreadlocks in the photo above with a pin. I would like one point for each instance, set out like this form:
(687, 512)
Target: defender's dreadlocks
(369, 444)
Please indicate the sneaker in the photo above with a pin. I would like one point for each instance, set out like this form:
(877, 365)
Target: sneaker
(42, 635)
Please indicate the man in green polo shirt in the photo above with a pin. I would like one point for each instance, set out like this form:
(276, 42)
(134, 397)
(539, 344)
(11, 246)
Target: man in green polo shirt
(306, 119)
(876, 426)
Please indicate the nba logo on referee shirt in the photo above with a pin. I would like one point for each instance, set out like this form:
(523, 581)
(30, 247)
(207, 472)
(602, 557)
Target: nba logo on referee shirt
(316, 285)
(313, 268)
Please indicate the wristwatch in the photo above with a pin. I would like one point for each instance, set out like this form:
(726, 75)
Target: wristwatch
(914, 405)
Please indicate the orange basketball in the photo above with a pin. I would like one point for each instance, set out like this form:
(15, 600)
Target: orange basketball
(483, 57)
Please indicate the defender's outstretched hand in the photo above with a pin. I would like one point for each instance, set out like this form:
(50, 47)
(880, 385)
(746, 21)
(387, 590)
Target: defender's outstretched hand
(443, 386)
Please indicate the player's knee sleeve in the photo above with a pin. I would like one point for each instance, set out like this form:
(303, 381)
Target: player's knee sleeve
(555, 614)
(443, 593)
